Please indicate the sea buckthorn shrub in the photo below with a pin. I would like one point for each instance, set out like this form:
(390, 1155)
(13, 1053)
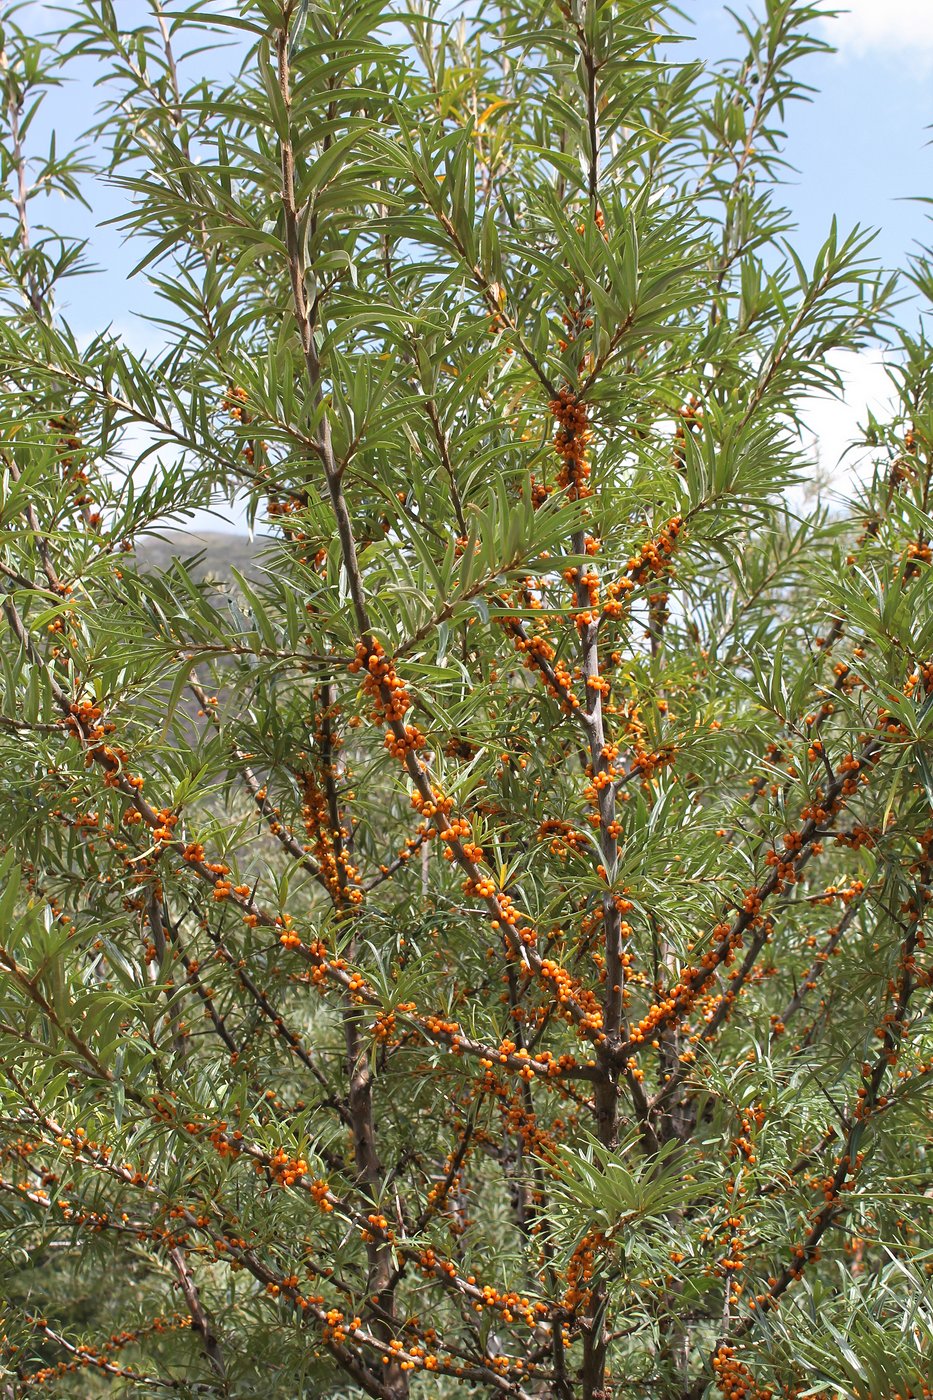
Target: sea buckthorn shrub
(479, 949)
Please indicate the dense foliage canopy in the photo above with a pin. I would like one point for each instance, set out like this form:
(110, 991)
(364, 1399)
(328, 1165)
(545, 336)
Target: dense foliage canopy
(479, 951)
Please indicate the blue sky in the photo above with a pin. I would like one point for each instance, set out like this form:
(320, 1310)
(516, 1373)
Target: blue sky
(860, 146)
(860, 149)
(862, 152)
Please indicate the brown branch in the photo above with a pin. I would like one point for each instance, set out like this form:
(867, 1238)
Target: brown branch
(200, 1321)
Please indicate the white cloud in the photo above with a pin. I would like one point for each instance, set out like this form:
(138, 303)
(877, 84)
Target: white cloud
(902, 27)
(831, 424)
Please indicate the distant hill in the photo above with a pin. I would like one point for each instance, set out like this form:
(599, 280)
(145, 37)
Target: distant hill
(218, 551)
(208, 555)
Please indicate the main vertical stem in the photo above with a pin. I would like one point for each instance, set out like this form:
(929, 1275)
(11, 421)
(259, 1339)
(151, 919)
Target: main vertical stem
(606, 1097)
(360, 1096)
